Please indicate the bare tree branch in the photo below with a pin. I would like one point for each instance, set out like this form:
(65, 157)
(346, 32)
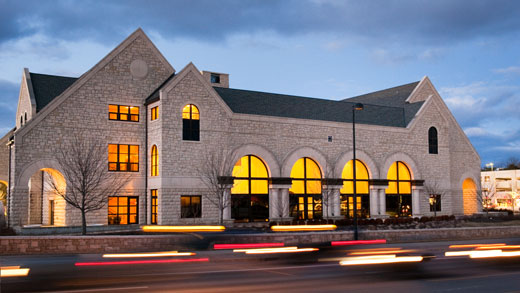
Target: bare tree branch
(434, 194)
(86, 183)
(215, 173)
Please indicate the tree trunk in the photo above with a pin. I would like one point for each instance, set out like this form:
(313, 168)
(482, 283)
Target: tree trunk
(83, 223)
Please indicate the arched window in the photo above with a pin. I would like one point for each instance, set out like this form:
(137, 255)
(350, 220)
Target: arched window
(21, 120)
(190, 123)
(305, 193)
(25, 119)
(469, 196)
(155, 161)
(399, 191)
(433, 145)
(250, 192)
(362, 190)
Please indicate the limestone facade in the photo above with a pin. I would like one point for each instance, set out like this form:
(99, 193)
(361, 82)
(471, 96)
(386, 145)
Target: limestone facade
(136, 69)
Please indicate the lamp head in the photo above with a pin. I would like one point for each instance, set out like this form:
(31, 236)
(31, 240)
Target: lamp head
(358, 106)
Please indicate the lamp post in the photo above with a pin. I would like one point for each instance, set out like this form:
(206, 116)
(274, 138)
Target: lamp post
(355, 107)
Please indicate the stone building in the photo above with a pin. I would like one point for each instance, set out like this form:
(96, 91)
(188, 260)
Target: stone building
(285, 156)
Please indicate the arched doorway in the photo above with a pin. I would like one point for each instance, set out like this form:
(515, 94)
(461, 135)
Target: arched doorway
(399, 191)
(305, 192)
(469, 196)
(3, 201)
(46, 207)
(362, 190)
(250, 192)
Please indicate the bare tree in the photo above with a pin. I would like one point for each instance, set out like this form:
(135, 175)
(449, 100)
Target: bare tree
(328, 193)
(434, 194)
(215, 175)
(86, 183)
(485, 195)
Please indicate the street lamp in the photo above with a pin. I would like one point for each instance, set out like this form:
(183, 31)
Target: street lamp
(355, 107)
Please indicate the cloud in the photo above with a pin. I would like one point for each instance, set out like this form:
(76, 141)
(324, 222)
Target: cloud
(508, 70)
(475, 131)
(8, 103)
(395, 21)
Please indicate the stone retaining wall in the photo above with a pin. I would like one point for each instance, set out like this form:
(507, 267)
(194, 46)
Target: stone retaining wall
(13, 245)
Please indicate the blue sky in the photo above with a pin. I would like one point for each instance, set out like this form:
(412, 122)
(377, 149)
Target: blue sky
(319, 48)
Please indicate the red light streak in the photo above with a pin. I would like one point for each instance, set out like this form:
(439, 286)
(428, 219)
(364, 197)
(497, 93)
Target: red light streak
(247, 245)
(357, 242)
(133, 262)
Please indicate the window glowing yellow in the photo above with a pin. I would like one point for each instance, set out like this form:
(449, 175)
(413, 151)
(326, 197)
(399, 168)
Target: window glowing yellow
(190, 112)
(306, 175)
(250, 176)
(155, 161)
(361, 175)
(399, 179)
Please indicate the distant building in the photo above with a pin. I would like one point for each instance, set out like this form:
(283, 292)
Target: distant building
(287, 152)
(502, 188)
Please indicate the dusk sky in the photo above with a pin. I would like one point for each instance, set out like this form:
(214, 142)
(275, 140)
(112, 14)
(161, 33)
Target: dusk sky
(317, 48)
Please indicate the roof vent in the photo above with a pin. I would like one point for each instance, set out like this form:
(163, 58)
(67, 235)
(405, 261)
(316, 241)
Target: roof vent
(216, 79)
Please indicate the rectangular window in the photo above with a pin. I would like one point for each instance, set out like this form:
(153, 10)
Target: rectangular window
(191, 206)
(154, 205)
(123, 113)
(155, 113)
(123, 210)
(435, 203)
(215, 78)
(123, 158)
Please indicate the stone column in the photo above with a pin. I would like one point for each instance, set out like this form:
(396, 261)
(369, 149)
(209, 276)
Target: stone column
(416, 201)
(226, 215)
(331, 206)
(382, 202)
(279, 201)
(374, 202)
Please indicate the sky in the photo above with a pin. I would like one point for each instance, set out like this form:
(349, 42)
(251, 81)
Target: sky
(317, 48)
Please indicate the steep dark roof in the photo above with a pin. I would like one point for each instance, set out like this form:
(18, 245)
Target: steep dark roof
(386, 108)
(47, 87)
(155, 95)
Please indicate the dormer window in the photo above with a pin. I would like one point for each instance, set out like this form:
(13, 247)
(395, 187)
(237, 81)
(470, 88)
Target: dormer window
(215, 78)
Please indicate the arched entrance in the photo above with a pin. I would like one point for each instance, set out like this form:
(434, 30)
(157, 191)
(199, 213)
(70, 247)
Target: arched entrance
(399, 191)
(305, 193)
(362, 190)
(469, 196)
(46, 207)
(250, 192)
(3, 202)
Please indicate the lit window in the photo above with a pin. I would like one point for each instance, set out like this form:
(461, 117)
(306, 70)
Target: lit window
(155, 161)
(155, 113)
(250, 192)
(399, 191)
(433, 147)
(123, 113)
(191, 206)
(362, 190)
(122, 210)
(123, 157)
(154, 205)
(306, 201)
(190, 122)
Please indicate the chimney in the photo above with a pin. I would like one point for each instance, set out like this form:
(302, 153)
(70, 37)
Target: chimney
(216, 79)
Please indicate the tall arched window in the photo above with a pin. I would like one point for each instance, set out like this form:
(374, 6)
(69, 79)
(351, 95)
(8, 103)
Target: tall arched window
(433, 146)
(250, 192)
(362, 190)
(305, 193)
(155, 161)
(399, 191)
(190, 123)
(21, 120)
(25, 117)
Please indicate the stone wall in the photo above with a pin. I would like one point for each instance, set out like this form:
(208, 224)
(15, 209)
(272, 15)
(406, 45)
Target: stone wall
(13, 245)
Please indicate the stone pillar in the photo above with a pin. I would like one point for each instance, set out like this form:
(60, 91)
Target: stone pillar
(374, 202)
(332, 205)
(278, 201)
(226, 215)
(416, 201)
(274, 203)
(382, 202)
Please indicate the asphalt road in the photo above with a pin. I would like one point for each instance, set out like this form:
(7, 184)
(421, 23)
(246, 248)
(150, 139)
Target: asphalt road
(224, 271)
